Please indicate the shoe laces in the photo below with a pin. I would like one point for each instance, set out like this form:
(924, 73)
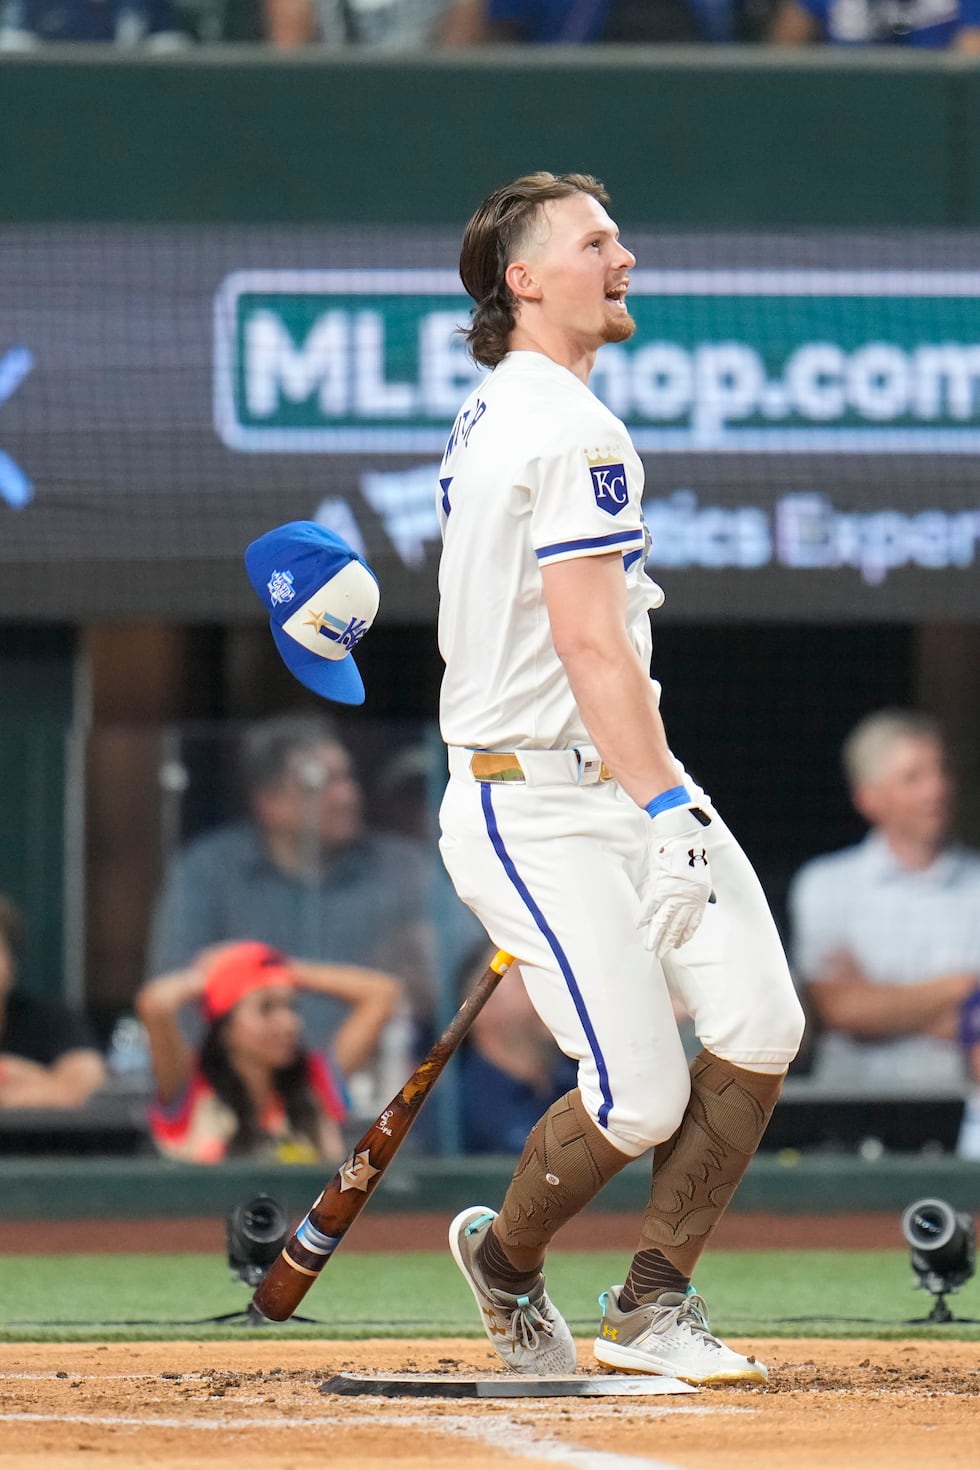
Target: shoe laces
(526, 1323)
(692, 1311)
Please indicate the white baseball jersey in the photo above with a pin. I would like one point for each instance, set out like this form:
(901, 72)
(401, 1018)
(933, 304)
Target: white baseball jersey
(537, 470)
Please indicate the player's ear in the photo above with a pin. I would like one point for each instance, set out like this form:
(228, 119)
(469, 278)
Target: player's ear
(521, 281)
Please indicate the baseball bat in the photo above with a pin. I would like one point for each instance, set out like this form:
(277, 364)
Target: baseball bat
(314, 1241)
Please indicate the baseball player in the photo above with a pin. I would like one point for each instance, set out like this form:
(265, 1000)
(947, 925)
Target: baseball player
(569, 826)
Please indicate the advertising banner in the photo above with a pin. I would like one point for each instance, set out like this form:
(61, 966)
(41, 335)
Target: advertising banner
(807, 409)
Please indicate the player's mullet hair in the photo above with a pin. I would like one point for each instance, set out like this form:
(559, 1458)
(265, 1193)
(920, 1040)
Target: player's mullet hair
(494, 236)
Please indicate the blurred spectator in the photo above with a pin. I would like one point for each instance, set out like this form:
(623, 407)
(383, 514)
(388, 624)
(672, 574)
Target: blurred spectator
(253, 1088)
(381, 25)
(405, 792)
(406, 786)
(302, 872)
(583, 22)
(510, 1068)
(886, 935)
(923, 23)
(25, 24)
(49, 1056)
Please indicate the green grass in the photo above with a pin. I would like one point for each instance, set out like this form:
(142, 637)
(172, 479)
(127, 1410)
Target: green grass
(420, 1294)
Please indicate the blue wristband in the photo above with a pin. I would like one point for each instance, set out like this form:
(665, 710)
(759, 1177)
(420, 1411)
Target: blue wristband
(676, 796)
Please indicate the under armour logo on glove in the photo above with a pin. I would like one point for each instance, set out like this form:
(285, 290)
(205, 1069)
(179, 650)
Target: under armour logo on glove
(677, 885)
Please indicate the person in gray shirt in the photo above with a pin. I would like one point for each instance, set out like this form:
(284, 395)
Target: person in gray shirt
(886, 934)
(302, 871)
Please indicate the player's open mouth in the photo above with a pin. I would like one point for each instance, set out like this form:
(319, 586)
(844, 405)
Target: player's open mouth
(618, 295)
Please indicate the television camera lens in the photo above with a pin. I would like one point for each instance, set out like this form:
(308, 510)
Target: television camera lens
(256, 1233)
(943, 1244)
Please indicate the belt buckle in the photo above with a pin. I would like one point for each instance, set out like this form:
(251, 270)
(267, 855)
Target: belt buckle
(489, 765)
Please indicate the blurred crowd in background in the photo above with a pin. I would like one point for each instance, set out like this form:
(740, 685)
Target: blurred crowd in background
(304, 951)
(424, 25)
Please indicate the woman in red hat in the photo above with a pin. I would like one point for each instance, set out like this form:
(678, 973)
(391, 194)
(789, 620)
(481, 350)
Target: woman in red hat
(253, 1089)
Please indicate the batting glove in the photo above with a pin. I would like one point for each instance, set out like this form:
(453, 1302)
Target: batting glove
(678, 882)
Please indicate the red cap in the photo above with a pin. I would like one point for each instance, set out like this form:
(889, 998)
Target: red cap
(239, 970)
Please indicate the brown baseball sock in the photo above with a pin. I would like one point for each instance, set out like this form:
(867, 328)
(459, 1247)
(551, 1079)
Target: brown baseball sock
(650, 1274)
(500, 1271)
(696, 1172)
(566, 1161)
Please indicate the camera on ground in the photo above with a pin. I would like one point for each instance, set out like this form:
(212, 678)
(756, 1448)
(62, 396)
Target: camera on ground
(256, 1233)
(943, 1245)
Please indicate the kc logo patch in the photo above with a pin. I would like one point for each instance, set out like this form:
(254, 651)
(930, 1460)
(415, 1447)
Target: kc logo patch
(348, 634)
(609, 485)
(351, 635)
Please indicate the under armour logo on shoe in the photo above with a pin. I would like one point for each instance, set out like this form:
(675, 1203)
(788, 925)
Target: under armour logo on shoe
(698, 858)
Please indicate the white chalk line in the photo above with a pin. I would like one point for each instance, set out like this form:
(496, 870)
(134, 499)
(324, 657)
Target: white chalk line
(508, 1435)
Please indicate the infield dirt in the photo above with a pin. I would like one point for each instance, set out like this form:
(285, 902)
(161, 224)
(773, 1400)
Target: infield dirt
(254, 1405)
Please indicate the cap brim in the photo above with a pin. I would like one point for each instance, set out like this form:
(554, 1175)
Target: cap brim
(336, 679)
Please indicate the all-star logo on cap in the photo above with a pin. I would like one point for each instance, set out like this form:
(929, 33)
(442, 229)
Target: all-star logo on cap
(321, 597)
(281, 588)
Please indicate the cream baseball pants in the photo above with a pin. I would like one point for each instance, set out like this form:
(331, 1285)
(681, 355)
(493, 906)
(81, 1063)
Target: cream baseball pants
(553, 869)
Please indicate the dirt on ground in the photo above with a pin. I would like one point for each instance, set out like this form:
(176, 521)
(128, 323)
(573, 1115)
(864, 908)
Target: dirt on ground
(254, 1405)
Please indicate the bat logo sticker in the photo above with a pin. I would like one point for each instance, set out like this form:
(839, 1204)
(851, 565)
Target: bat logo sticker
(357, 1172)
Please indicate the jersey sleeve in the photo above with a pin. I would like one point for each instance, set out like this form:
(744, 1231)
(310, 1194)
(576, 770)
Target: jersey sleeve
(585, 501)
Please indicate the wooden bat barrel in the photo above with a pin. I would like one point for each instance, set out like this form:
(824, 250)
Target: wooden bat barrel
(314, 1241)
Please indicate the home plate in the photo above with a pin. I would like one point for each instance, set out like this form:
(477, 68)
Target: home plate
(502, 1386)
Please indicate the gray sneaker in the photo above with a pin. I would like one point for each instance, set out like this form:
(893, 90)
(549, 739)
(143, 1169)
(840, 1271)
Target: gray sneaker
(525, 1331)
(669, 1336)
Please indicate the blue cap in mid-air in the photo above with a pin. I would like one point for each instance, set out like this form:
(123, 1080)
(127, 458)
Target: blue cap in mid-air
(322, 598)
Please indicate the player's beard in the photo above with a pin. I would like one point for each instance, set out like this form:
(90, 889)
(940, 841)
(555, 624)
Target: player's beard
(619, 328)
